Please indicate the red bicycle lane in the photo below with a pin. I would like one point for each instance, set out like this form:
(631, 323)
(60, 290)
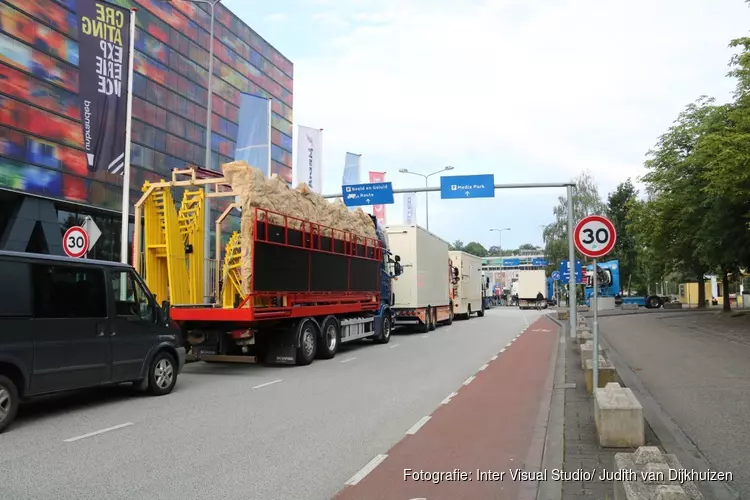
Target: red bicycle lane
(471, 445)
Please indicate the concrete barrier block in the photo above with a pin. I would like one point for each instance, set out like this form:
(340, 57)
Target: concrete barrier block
(630, 307)
(587, 350)
(563, 315)
(607, 373)
(619, 417)
(650, 474)
(584, 335)
(672, 305)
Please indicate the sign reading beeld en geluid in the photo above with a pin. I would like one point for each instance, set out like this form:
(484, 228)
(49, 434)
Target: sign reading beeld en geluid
(104, 50)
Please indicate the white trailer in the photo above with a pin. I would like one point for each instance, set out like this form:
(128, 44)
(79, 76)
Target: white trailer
(466, 284)
(422, 292)
(530, 283)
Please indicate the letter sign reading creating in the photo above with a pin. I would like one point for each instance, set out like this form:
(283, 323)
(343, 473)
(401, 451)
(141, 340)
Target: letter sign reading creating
(595, 236)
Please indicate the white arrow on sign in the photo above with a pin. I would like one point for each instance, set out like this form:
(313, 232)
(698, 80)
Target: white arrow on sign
(93, 231)
(467, 193)
(368, 200)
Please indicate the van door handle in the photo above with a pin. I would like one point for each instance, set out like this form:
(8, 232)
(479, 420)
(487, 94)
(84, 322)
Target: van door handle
(113, 333)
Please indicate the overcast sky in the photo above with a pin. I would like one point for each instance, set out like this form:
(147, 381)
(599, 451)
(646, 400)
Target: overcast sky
(528, 90)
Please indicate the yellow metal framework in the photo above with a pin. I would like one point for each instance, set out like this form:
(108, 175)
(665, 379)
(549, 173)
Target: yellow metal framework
(173, 263)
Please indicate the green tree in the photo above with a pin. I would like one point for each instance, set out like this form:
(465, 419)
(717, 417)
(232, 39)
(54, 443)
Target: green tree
(586, 201)
(475, 248)
(457, 245)
(619, 204)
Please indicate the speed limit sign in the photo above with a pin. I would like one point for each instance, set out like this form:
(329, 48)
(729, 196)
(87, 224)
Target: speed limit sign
(76, 242)
(595, 236)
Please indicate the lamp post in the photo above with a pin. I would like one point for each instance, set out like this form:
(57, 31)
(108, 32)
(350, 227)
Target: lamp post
(500, 238)
(209, 112)
(426, 194)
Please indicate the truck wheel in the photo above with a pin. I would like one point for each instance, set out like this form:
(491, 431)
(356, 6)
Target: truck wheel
(425, 327)
(162, 376)
(386, 327)
(654, 302)
(449, 321)
(433, 320)
(330, 338)
(480, 313)
(307, 335)
(9, 401)
(468, 312)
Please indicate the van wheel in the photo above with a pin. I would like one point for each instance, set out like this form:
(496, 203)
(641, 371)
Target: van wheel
(162, 376)
(307, 335)
(330, 338)
(386, 327)
(9, 401)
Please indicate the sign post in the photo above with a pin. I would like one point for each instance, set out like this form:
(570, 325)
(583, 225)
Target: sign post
(76, 242)
(595, 236)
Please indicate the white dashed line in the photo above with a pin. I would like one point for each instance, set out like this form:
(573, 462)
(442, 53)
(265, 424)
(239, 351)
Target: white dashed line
(469, 380)
(509, 344)
(527, 321)
(493, 358)
(395, 345)
(503, 349)
(483, 367)
(347, 360)
(96, 433)
(260, 386)
(418, 425)
(359, 476)
(448, 399)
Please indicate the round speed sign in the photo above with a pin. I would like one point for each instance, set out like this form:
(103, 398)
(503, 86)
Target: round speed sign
(76, 242)
(595, 236)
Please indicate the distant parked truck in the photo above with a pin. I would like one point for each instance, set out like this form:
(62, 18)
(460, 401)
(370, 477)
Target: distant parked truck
(466, 284)
(531, 283)
(422, 292)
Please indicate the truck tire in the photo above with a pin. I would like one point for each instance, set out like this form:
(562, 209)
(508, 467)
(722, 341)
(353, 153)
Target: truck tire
(9, 402)
(329, 339)
(480, 313)
(162, 374)
(307, 336)
(425, 327)
(449, 321)
(386, 328)
(654, 302)
(433, 320)
(468, 312)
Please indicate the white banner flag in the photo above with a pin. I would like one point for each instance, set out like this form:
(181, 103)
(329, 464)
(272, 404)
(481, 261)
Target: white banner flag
(410, 209)
(309, 157)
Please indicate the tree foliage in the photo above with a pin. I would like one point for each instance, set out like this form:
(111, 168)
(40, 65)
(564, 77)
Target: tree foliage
(620, 203)
(475, 248)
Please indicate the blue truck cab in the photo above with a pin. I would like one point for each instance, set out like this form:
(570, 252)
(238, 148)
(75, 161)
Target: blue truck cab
(608, 283)
(390, 269)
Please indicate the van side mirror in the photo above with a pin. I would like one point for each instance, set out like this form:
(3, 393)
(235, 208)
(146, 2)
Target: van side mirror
(398, 270)
(455, 273)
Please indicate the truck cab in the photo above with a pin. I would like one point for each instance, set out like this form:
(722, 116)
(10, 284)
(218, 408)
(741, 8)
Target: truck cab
(390, 268)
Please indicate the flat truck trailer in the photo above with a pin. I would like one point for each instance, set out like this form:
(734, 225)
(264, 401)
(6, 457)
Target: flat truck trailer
(530, 283)
(422, 292)
(308, 294)
(466, 284)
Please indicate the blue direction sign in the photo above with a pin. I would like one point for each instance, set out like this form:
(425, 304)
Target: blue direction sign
(374, 193)
(511, 262)
(555, 275)
(467, 186)
(539, 262)
(565, 272)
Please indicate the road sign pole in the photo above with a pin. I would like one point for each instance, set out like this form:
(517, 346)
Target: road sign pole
(595, 305)
(571, 266)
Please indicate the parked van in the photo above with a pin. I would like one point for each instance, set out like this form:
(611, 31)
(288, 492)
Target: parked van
(69, 324)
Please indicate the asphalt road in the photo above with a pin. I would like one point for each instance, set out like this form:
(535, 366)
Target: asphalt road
(701, 379)
(245, 431)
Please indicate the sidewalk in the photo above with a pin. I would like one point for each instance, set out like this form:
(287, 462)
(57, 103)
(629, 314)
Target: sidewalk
(692, 374)
(489, 425)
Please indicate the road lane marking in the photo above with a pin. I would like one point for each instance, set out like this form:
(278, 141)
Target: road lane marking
(509, 344)
(359, 476)
(483, 367)
(493, 358)
(425, 336)
(260, 386)
(503, 349)
(348, 359)
(448, 399)
(469, 380)
(418, 425)
(96, 433)
(526, 320)
(395, 345)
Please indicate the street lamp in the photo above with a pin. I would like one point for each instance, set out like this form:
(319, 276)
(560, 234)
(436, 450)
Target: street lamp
(209, 112)
(426, 194)
(500, 238)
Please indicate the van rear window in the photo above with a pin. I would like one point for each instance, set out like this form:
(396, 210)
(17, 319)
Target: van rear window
(15, 289)
(68, 292)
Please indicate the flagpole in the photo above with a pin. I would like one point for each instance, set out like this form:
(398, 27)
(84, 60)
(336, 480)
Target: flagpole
(125, 223)
(270, 133)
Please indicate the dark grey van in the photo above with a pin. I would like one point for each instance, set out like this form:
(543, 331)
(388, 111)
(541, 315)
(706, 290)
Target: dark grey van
(75, 323)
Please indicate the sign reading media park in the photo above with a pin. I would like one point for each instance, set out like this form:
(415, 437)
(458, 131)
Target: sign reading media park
(104, 55)
(467, 186)
(374, 193)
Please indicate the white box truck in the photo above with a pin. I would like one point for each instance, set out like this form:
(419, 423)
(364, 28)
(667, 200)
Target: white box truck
(422, 292)
(529, 284)
(466, 284)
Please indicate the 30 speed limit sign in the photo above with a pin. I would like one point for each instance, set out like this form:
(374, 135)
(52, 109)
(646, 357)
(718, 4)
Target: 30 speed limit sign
(76, 242)
(595, 236)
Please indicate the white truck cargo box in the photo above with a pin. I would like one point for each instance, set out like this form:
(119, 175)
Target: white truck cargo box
(467, 291)
(530, 283)
(424, 257)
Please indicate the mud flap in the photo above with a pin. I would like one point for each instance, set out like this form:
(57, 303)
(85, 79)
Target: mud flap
(282, 347)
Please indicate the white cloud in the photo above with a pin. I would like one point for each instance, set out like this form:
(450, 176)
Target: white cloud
(530, 90)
